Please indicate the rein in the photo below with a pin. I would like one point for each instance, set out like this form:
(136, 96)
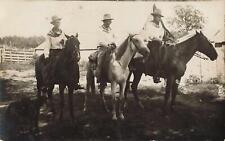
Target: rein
(130, 39)
(199, 56)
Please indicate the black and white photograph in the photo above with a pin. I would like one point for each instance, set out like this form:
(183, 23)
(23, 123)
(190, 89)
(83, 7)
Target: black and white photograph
(112, 70)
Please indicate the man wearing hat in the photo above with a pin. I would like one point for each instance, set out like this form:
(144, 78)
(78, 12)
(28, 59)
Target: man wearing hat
(154, 30)
(55, 37)
(106, 39)
(55, 43)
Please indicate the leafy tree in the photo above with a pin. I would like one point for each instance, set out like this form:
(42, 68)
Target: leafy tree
(187, 18)
(22, 42)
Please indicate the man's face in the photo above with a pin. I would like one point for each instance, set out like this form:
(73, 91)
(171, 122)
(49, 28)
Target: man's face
(57, 24)
(157, 18)
(107, 23)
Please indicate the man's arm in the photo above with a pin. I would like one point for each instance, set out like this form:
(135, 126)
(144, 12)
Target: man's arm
(47, 47)
(167, 34)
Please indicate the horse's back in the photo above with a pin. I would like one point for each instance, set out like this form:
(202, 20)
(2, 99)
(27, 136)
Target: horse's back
(167, 55)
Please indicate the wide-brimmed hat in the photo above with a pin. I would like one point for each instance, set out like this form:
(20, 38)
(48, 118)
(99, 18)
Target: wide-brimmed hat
(156, 11)
(107, 17)
(55, 19)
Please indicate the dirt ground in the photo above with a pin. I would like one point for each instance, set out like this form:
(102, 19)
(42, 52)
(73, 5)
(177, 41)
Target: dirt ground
(199, 113)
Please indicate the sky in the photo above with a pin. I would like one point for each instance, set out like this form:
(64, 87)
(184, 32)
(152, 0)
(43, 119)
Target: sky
(32, 18)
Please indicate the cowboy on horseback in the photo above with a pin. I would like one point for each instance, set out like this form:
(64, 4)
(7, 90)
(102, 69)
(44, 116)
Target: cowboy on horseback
(156, 34)
(56, 39)
(106, 40)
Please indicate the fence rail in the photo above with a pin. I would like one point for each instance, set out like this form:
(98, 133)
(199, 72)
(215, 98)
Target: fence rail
(22, 55)
(16, 55)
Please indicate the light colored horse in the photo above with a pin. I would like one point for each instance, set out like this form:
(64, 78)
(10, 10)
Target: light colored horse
(118, 71)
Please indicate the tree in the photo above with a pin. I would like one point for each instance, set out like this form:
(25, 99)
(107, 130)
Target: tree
(22, 42)
(187, 18)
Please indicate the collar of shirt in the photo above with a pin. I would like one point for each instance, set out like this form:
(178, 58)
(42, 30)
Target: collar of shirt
(156, 25)
(105, 29)
(54, 33)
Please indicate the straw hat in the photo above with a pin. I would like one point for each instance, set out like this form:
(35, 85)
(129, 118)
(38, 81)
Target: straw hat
(107, 17)
(156, 11)
(55, 19)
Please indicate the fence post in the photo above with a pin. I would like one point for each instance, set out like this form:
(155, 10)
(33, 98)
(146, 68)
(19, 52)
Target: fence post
(1, 55)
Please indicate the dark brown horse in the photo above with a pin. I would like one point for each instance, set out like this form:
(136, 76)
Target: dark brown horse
(173, 65)
(62, 69)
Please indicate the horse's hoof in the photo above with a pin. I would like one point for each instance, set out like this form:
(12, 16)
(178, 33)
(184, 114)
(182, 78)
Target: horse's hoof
(164, 111)
(85, 109)
(173, 109)
(114, 117)
(50, 113)
(121, 116)
(60, 118)
(106, 110)
(141, 105)
(72, 118)
(125, 105)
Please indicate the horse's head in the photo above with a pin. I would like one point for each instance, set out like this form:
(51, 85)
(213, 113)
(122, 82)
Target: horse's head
(72, 47)
(206, 47)
(140, 45)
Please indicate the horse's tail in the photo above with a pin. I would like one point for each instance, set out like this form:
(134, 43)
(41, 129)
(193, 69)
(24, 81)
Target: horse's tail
(90, 77)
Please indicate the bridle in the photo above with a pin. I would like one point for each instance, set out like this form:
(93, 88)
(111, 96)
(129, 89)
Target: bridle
(201, 57)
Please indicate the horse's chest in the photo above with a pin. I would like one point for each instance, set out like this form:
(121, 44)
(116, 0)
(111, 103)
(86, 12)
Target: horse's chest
(117, 72)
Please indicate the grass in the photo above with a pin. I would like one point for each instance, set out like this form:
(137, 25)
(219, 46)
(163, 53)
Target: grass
(197, 116)
(16, 66)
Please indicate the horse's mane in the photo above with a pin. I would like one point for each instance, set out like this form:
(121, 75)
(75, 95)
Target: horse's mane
(66, 51)
(122, 48)
(186, 37)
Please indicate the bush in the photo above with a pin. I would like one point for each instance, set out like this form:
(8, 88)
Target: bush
(83, 65)
(193, 79)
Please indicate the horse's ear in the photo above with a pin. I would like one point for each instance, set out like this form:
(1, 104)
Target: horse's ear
(196, 31)
(201, 32)
(67, 36)
(76, 35)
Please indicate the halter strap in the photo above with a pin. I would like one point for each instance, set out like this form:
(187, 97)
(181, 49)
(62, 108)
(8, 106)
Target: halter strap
(130, 38)
(199, 56)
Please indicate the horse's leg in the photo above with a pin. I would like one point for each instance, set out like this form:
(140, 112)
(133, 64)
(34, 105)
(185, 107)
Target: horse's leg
(127, 88)
(93, 85)
(50, 97)
(137, 78)
(87, 89)
(90, 85)
(70, 92)
(174, 93)
(85, 101)
(102, 91)
(113, 87)
(61, 93)
(121, 99)
(169, 90)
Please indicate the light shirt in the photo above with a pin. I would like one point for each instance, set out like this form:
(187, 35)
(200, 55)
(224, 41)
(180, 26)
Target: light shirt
(106, 36)
(152, 31)
(53, 41)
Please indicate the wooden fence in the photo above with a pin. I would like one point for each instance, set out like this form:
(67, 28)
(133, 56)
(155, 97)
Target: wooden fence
(15, 55)
(21, 55)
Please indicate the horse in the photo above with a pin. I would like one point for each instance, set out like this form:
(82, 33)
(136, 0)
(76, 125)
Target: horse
(173, 65)
(117, 71)
(63, 66)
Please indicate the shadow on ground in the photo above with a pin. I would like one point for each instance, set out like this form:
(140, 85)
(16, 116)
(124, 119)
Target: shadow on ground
(197, 117)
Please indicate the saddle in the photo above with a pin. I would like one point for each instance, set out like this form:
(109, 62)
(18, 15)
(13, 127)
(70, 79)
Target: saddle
(50, 65)
(156, 62)
(106, 56)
